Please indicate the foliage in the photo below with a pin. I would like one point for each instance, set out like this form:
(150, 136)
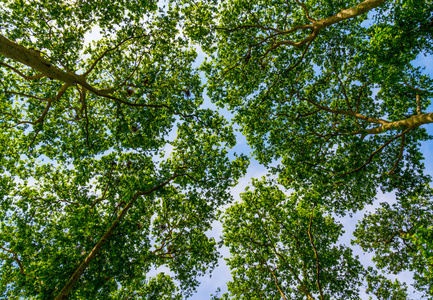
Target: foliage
(111, 167)
(283, 247)
(331, 91)
(299, 75)
(400, 234)
(384, 288)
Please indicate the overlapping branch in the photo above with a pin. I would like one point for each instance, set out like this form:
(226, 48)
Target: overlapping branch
(316, 256)
(32, 59)
(315, 26)
(38, 76)
(63, 294)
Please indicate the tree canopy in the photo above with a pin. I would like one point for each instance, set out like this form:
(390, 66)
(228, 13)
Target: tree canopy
(112, 165)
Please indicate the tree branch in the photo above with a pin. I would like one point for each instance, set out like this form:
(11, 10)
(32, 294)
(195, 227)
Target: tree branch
(63, 294)
(30, 58)
(376, 152)
(276, 283)
(109, 50)
(47, 108)
(344, 14)
(400, 155)
(307, 14)
(348, 113)
(316, 256)
(21, 74)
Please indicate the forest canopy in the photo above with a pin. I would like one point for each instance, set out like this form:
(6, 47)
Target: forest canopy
(116, 161)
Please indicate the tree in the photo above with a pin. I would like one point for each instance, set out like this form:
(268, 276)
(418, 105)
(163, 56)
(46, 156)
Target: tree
(400, 236)
(335, 78)
(95, 189)
(282, 247)
(111, 167)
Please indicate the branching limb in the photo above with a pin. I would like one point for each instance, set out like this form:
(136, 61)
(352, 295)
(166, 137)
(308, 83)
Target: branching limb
(109, 50)
(20, 264)
(307, 14)
(38, 76)
(418, 96)
(16, 259)
(24, 95)
(376, 152)
(412, 122)
(316, 256)
(347, 113)
(400, 155)
(264, 264)
(316, 26)
(413, 88)
(47, 108)
(41, 118)
(63, 294)
(21, 54)
(34, 138)
(313, 34)
(276, 283)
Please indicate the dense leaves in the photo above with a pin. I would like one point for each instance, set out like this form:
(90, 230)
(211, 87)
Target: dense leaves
(332, 91)
(283, 247)
(306, 76)
(400, 234)
(111, 167)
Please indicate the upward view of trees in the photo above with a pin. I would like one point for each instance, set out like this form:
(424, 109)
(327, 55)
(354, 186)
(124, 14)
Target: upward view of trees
(112, 167)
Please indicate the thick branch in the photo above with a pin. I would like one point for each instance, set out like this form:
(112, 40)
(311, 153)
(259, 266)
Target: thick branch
(315, 26)
(412, 122)
(316, 256)
(83, 266)
(350, 13)
(344, 14)
(301, 43)
(32, 59)
(418, 104)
